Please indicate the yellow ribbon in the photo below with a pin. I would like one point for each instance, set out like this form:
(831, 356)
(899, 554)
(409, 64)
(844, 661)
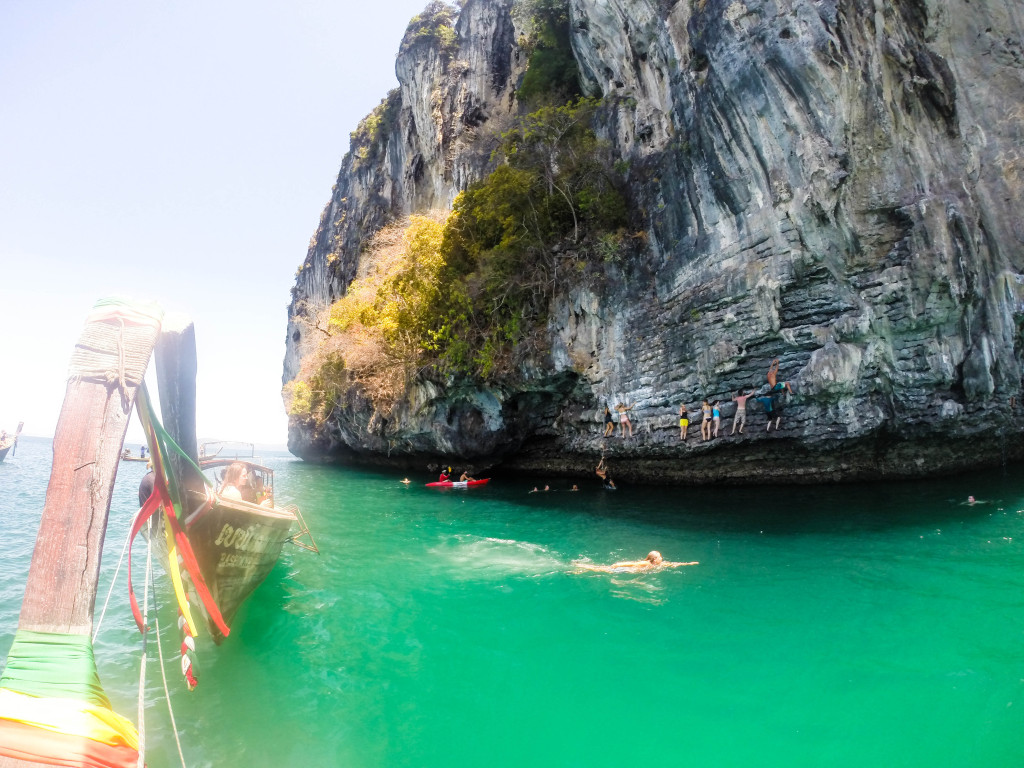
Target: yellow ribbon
(70, 717)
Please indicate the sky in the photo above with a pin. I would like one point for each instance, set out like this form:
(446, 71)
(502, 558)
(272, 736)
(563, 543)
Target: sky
(177, 152)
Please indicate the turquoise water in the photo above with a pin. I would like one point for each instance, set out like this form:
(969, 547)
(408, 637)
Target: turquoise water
(844, 626)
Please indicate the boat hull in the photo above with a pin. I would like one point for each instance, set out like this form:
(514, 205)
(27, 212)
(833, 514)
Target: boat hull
(9, 442)
(459, 483)
(236, 545)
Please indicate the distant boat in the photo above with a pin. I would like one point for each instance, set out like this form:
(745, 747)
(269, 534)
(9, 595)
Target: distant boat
(8, 442)
(126, 455)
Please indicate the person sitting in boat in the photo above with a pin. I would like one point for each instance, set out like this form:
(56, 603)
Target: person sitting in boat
(445, 475)
(248, 488)
(235, 478)
(262, 493)
(466, 478)
(653, 560)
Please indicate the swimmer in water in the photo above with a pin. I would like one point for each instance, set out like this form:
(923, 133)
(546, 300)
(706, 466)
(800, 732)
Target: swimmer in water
(653, 560)
(407, 481)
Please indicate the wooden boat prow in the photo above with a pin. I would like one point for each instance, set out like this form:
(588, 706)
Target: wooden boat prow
(10, 441)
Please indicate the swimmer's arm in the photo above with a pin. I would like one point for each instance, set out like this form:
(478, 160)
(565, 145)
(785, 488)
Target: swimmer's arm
(590, 567)
(676, 565)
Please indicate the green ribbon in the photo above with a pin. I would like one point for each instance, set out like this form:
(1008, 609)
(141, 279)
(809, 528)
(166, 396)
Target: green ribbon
(53, 665)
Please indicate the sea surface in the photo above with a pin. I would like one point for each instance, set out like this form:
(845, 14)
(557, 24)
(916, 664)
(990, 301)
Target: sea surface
(855, 626)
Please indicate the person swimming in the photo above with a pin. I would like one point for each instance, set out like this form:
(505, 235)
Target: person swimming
(653, 560)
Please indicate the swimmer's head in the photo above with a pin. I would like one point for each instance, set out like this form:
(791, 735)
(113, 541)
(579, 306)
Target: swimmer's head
(970, 499)
(654, 558)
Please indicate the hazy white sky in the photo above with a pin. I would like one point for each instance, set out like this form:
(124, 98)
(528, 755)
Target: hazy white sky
(178, 152)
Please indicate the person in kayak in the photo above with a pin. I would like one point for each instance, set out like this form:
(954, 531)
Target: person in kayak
(465, 478)
(445, 475)
(653, 560)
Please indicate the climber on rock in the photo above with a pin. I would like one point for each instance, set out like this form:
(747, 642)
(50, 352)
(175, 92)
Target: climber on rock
(773, 384)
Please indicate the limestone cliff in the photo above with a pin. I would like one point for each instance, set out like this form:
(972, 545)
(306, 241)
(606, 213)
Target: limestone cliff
(833, 183)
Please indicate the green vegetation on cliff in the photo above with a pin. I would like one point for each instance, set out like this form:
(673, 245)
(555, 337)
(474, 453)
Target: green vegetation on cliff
(552, 76)
(468, 293)
(369, 138)
(526, 232)
(434, 26)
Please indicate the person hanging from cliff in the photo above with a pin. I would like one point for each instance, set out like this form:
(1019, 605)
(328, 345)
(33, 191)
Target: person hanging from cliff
(773, 384)
(624, 422)
(602, 471)
(653, 560)
(705, 421)
(684, 421)
(609, 424)
(740, 417)
(772, 410)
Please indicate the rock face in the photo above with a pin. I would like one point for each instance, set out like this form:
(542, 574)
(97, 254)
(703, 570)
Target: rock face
(833, 183)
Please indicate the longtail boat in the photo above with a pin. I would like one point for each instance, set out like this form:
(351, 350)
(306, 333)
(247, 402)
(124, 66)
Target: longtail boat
(238, 541)
(230, 544)
(7, 442)
(53, 710)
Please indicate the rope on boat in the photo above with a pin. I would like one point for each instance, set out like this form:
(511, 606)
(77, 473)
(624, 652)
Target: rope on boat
(126, 328)
(167, 693)
(113, 581)
(167, 494)
(160, 653)
(142, 666)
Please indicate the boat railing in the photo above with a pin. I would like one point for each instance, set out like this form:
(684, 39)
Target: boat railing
(303, 532)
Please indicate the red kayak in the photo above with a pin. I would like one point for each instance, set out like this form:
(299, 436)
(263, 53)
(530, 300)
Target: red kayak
(459, 483)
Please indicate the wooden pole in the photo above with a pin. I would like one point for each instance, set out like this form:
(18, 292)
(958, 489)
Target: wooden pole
(176, 369)
(107, 368)
(61, 590)
(17, 434)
